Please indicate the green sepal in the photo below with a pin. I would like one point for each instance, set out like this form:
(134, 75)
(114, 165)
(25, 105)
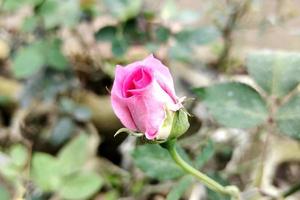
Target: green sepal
(129, 132)
(180, 124)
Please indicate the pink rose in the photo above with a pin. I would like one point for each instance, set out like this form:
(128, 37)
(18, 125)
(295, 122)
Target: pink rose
(143, 97)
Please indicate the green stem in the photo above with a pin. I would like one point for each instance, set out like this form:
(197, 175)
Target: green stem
(292, 190)
(210, 183)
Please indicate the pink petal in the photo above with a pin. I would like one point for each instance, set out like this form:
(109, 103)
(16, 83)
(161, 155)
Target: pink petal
(162, 75)
(148, 109)
(137, 81)
(119, 105)
(120, 76)
(121, 110)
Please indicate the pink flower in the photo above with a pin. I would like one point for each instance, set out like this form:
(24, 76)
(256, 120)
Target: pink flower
(142, 96)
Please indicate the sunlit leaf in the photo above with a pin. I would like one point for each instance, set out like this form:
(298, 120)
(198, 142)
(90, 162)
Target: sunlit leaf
(56, 13)
(4, 194)
(168, 10)
(74, 154)
(123, 9)
(34, 2)
(19, 155)
(80, 185)
(30, 23)
(45, 171)
(11, 5)
(112, 195)
(28, 60)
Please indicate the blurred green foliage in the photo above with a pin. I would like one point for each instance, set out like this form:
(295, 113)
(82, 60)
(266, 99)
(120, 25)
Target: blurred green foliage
(52, 149)
(32, 58)
(239, 105)
(154, 161)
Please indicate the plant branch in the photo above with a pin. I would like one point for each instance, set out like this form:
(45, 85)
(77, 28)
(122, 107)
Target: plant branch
(233, 191)
(239, 9)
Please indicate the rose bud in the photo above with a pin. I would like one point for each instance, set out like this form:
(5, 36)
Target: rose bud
(143, 98)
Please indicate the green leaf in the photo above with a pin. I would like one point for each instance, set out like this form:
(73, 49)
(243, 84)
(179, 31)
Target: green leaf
(187, 16)
(45, 172)
(80, 185)
(11, 167)
(276, 72)
(5, 100)
(47, 12)
(4, 194)
(162, 34)
(10, 171)
(14, 5)
(181, 52)
(132, 32)
(178, 190)
(112, 195)
(156, 162)
(60, 13)
(29, 24)
(212, 195)
(205, 155)
(123, 9)
(34, 2)
(11, 5)
(73, 156)
(197, 36)
(28, 60)
(67, 105)
(107, 33)
(288, 117)
(152, 46)
(55, 58)
(19, 155)
(233, 104)
(119, 47)
(82, 113)
(62, 131)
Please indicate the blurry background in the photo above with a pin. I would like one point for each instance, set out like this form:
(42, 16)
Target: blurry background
(57, 61)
